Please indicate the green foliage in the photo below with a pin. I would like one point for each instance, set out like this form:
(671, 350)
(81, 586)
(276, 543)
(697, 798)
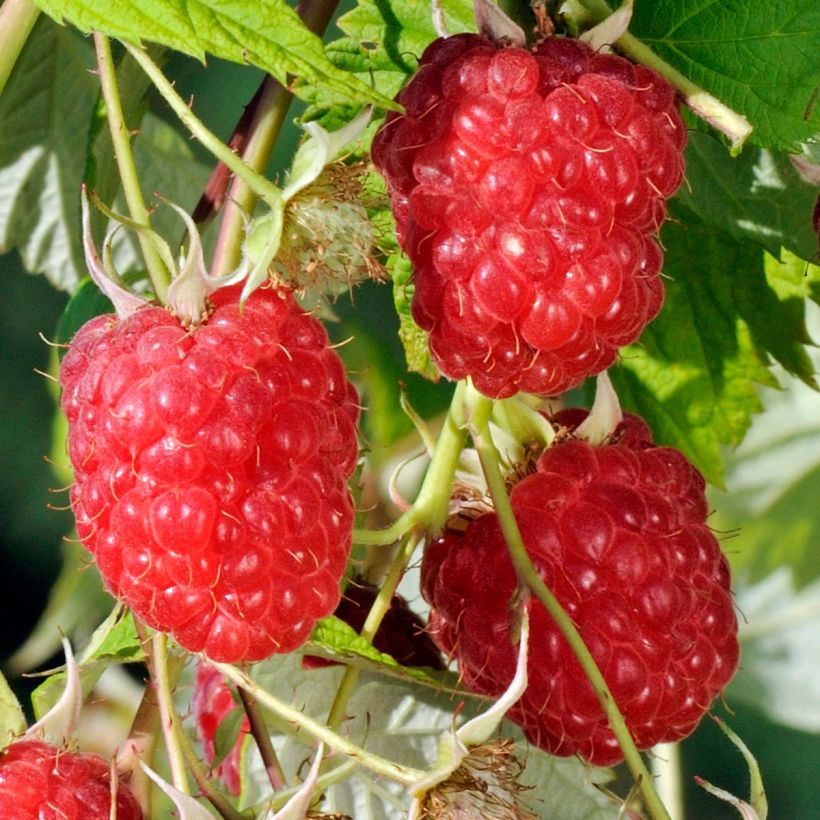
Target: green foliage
(693, 375)
(757, 57)
(758, 195)
(12, 719)
(384, 41)
(267, 34)
(114, 641)
(45, 111)
(731, 333)
(337, 640)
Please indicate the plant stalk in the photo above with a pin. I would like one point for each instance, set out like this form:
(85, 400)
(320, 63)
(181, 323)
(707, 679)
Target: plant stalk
(735, 126)
(431, 508)
(273, 768)
(376, 763)
(264, 130)
(164, 675)
(121, 140)
(261, 186)
(527, 574)
(378, 610)
(17, 19)
(205, 783)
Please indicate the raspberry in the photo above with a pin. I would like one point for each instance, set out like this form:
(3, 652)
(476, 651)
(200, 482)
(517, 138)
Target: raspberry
(39, 781)
(526, 187)
(618, 533)
(211, 705)
(401, 633)
(210, 470)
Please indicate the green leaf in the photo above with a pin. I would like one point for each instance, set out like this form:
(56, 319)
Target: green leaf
(265, 33)
(779, 651)
(337, 640)
(773, 477)
(413, 338)
(45, 113)
(12, 718)
(76, 603)
(758, 195)
(793, 279)
(226, 735)
(402, 721)
(114, 641)
(693, 376)
(384, 41)
(757, 57)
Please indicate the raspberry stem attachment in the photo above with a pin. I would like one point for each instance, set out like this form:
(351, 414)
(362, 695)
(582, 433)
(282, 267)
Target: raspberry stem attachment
(430, 509)
(480, 410)
(735, 126)
(121, 140)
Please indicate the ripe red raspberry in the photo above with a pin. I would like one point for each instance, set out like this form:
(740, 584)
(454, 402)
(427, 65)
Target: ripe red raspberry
(618, 533)
(526, 187)
(38, 781)
(210, 470)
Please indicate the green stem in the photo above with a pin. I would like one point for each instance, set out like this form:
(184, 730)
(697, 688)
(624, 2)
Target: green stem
(205, 783)
(488, 454)
(264, 130)
(17, 19)
(431, 507)
(164, 676)
(378, 610)
(261, 186)
(241, 199)
(735, 126)
(376, 763)
(666, 767)
(121, 140)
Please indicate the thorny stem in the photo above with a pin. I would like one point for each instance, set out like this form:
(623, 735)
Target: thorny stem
(371, 626)
(264, 130)
(263, 187)
(490, 462)
(205, 783)
(432, 503)
(273, 768)
(376, 763)
(141, 745)
(17, 19)
(121, 140)
(273, 104)
(163, 676)
(735, 126)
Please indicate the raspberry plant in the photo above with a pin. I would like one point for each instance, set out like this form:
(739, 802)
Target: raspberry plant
(420, 443)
